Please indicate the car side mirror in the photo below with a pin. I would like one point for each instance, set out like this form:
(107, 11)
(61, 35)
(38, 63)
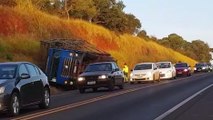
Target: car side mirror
(24, 76)
(131, 70)
(155, 68)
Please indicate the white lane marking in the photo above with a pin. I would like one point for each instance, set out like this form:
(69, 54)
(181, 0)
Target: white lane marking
(181, 104)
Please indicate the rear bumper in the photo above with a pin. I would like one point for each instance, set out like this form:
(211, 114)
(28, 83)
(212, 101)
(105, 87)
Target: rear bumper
(141, 79)
(166, 75)
(179, 73)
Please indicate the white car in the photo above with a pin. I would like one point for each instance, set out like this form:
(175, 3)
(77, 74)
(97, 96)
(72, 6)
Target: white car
(145, 72)
(167, 70)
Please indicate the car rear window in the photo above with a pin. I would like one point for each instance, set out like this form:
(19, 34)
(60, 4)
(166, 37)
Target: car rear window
(181, 65)
(143, 67)
(164, 65)
(99, 67)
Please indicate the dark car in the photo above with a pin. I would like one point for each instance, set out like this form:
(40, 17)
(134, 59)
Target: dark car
(102, 74)
(183, 69)
(201, 67)
(22, 84)
(210, 67)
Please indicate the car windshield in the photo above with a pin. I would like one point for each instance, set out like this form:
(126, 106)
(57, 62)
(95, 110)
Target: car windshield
(143, 67)
(164, 65)
(199, 65)
(99, 67)
(7, 71)
(181, 65)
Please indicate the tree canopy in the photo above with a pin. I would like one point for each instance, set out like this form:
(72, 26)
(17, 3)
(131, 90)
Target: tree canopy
(108, 13)
(196, 49)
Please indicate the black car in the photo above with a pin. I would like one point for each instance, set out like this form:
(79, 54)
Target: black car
(201, 67)
(102, 74)
(22, 84)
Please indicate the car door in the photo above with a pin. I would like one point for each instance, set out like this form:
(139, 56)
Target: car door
(25, 86)
(37, 83)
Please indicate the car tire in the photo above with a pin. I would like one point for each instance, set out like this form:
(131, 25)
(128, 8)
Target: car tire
(14, 106)
(153, 79)
(81, 90)
(111, 85)
(159, 79)
(45, 102)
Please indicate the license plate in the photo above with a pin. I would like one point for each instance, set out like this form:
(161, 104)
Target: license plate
(91, 83)
(162, 75)
(179, 72)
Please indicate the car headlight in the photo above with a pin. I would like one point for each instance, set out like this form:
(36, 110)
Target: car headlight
(195, 68)
(2, 90)
(203, 68)
(185, 70)
(102, 77)
(81, 79)
(169, 71)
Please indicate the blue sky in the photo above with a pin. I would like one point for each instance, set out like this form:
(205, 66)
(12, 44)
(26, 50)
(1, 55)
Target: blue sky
(192, 19)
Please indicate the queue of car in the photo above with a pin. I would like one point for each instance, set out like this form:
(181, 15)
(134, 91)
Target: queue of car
(23, 83)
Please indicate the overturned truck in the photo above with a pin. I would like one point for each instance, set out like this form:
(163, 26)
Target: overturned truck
(64, 59)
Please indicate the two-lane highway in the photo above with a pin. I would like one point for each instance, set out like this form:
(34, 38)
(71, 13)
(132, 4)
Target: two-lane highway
(135, 102)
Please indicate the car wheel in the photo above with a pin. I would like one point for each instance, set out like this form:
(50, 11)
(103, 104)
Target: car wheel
(82, 90)
(153, 79)
(14, 107)
(95, 89)
(45, 103)
(111, 85)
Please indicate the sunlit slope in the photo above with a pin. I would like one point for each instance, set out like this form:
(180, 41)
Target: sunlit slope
(23, 27)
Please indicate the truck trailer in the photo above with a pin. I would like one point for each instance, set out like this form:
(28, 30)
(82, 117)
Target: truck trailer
(64, 59)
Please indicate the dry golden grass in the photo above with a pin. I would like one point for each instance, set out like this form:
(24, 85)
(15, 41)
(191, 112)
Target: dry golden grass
(28, 26)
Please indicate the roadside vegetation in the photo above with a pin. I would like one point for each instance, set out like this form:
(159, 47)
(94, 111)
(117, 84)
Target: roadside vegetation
(23, 25)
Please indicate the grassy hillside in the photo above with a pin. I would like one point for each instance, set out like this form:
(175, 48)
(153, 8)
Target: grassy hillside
(23, 27)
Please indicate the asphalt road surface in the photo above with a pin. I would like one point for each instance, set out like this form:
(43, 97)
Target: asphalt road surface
(136, 102)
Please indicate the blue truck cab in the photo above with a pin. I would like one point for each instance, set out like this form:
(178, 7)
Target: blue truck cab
(63, 66)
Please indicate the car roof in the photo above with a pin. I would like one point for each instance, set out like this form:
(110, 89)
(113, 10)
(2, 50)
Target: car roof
(101, 63)
(14, 63)
(146, 63)
(181, 63)
(164, 62)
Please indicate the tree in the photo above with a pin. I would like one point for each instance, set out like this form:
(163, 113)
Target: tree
(202, 50)
(111, 15)
(84, 10)
(10, 3)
